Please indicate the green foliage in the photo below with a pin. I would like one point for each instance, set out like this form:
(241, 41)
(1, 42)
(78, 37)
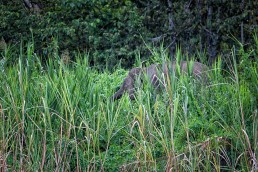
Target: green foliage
(194, 29)
(60, 117)
(113, 32)
(108, 30)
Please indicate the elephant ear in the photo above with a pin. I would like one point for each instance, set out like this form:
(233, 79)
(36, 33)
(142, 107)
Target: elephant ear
(135, 72)
(201, 71)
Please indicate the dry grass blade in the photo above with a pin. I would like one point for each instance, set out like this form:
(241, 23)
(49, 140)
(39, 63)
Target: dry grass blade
(251, 153)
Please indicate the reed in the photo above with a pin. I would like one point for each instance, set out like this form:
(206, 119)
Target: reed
(59, 117)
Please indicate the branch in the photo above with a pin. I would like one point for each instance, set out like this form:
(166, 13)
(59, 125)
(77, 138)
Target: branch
(158, 38)
(33, 7)
(27, 4)
(170, 20)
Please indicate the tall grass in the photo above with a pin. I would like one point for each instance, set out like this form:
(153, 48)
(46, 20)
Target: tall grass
(59, 117)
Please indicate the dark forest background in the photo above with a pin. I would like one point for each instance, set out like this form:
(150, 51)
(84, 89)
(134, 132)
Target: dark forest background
(114, 32)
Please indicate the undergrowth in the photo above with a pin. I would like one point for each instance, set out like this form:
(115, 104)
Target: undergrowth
(59, 117)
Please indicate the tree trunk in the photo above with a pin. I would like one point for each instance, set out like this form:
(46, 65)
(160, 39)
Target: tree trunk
(211, 36)
(33, 7)
(199, 7)
(242, 23)
(27, 4)
(171, 29)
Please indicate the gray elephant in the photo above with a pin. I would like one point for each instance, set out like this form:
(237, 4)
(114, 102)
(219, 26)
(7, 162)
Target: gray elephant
(153, 72)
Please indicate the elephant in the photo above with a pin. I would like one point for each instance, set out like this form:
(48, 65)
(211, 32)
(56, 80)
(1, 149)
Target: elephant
(153, 72)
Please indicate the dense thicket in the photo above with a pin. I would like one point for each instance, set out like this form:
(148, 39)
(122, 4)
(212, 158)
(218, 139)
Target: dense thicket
(114, 31)
(59, 116)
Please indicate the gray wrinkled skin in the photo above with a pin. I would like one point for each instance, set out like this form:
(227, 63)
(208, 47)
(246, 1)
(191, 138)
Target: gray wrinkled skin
(153, 71)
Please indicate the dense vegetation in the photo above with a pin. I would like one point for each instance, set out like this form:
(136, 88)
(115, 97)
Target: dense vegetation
(59, 117)
(62, 60)
(113, 32)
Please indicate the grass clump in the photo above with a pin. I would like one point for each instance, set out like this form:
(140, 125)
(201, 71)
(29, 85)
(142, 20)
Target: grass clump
(59, 117)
